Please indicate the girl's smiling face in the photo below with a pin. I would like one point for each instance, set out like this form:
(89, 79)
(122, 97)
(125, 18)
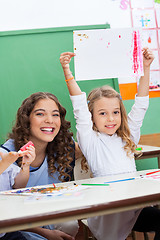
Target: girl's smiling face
(45, 121)
(107, 115)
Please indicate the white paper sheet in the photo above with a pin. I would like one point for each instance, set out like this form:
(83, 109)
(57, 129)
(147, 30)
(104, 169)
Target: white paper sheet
(142, 3)
(107, 53)
(155, 63)
(144, 18)
(149, 38)
(154, 81)
(158, 14)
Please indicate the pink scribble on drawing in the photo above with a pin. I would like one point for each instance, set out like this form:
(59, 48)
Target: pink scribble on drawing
(135, 53)
(140, 52)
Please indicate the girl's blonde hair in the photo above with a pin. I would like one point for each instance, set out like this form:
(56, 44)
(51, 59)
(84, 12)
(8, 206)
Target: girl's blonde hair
(123, 131)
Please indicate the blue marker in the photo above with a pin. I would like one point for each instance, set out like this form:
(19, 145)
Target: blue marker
(121, 180)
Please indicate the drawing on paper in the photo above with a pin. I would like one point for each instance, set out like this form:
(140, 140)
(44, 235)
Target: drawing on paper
(107, 53)
(143, 18)
(46, 190)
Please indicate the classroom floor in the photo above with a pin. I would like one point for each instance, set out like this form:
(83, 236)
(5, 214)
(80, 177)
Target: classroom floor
(139, 236)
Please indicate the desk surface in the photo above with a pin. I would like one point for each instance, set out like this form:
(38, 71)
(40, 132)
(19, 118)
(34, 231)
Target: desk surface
(146, 149)
(149, 152)
(16, 213)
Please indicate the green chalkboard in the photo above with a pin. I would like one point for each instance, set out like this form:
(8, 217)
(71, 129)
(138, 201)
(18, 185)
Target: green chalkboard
(29, 62)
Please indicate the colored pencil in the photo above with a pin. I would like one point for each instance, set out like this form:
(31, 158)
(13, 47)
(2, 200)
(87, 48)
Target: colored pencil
(120, 180)
(95, 184)
(152, 172)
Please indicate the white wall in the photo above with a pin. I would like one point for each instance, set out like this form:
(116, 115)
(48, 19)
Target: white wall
(33, 14)
(36, 14)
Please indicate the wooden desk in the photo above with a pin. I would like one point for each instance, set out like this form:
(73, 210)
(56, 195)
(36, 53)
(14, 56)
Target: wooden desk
(16, 214)
(150, 152)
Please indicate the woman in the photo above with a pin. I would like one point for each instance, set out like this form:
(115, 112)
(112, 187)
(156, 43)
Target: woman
(41, 119)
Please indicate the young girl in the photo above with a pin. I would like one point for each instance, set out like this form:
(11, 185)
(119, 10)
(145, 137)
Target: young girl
(41, 119)
(12, 176)
(108, 140)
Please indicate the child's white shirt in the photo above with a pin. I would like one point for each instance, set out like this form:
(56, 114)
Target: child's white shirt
(106, 156)
(7, 180)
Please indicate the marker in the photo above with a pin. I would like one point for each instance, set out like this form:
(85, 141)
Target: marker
(139, 149)
(121, 180)
(30, 143)
(152, 172)
(95, 184)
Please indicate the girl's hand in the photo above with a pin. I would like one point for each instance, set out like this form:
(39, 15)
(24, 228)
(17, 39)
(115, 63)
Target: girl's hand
(28, 156)
(148, 57)
(65, 59)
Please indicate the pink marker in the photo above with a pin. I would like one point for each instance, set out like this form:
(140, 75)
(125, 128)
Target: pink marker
(30, 143)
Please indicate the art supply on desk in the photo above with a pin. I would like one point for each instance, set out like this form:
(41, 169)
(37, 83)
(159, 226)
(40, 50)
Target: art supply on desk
(120, 180)
(154, 175)
(149, 173)
(24, 148)
(139, 149)
(95, 184)
(45, 190)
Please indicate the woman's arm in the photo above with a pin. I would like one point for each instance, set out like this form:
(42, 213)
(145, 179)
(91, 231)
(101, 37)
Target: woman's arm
(51, 234)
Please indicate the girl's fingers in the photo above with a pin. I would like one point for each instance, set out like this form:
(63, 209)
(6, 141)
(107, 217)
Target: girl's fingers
(148, 54)
(65, 58)
(68, 53)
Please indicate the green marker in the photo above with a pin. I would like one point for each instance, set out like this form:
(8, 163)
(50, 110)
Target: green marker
(139, 149)
(95, 184)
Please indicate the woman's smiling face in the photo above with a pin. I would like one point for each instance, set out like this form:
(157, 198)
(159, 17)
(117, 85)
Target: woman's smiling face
(45, 121)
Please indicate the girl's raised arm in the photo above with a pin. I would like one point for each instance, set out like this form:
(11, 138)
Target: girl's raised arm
(72, 85)
(143, 89)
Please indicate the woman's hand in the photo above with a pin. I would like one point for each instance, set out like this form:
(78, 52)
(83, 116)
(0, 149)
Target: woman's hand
(59, 235)
(28, 156)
